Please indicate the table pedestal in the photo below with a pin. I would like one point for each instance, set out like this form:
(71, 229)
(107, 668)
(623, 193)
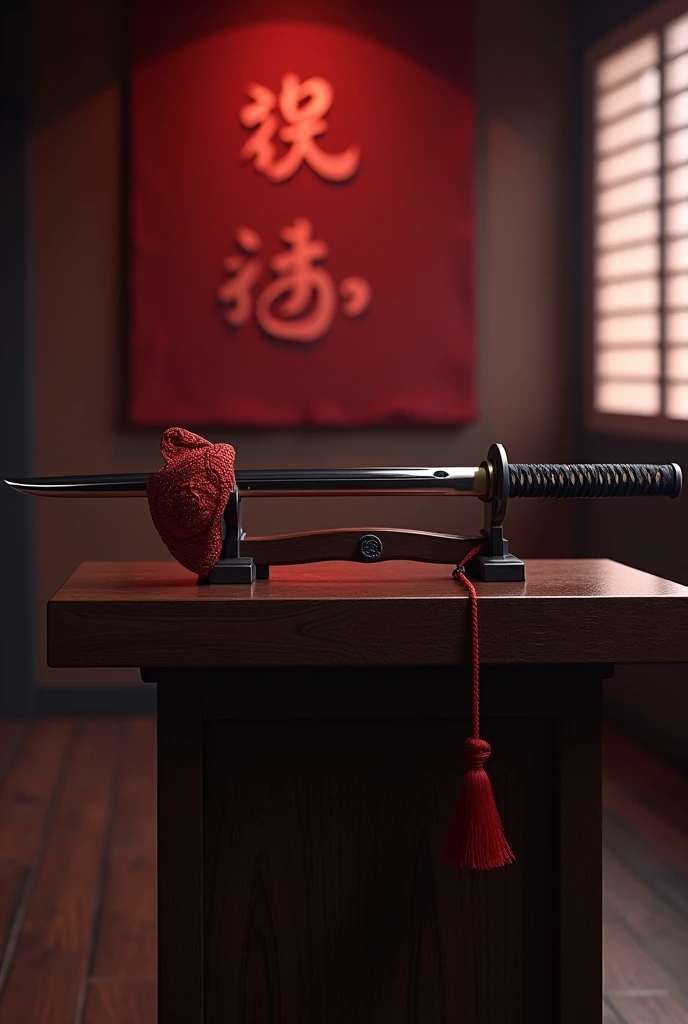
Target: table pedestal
(302, 819)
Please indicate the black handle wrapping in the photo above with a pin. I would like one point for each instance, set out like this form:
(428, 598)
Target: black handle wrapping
(595, 480)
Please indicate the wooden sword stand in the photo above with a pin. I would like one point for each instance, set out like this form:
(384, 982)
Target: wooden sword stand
(245, 559)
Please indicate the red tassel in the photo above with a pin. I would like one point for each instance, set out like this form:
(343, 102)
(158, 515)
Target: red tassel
(476, 839)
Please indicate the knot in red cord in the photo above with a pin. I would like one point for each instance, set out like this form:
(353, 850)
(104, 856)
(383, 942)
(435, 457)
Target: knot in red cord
(476, 752)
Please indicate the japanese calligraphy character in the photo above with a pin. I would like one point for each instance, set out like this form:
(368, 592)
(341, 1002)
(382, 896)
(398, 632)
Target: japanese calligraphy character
(303, 106)
(300, 303)
(237, 292)
(299, 285)
(259, 146)
(356, 293)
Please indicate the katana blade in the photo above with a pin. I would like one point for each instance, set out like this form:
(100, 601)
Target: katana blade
(461, 480)
(109, 485)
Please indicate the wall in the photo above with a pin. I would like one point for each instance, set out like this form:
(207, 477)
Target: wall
(649, 535)
(524, 302)
(17, 659)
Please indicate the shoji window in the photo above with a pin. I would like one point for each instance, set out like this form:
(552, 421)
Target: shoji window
(639, 281)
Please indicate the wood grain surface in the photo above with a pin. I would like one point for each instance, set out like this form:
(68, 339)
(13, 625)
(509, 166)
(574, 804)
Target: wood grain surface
(55, 935)
(77, 844)
(180, 857)
(121, 1001)
(326, 895)
(122, 988)
(586, 611)
(25, 804)
(325, 818)
(579, 843)
(657, 1008)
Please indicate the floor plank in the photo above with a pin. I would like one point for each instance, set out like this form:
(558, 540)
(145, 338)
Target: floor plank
(24, 804)
(115, 1001)
(13, 881)
(135, 821)
(654, 924)
(646, 822)
(26, 793)
(651, 782)
(627, 968)
(650, 1010)
(645, 858)
(126, 946)
(44, 990)
(55, 940)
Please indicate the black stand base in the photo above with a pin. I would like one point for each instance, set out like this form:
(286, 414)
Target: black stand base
(232, 570)
(497, 569)
(496, 565)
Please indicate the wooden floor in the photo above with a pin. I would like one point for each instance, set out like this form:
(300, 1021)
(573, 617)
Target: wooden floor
(77, 872)
(77, 877)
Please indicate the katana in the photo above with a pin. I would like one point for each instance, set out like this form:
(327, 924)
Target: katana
(494, 482)
(531, 481)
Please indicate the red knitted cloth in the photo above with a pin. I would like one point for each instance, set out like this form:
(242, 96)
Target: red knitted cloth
(187, 497)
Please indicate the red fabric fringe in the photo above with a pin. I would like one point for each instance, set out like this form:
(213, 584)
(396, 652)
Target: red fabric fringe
(477, 839)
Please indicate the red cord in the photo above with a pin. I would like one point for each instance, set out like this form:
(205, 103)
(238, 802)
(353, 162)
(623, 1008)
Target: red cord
(476, 839)
(460, 574)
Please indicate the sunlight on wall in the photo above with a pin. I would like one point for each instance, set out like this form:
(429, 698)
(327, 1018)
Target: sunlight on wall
(640, 107)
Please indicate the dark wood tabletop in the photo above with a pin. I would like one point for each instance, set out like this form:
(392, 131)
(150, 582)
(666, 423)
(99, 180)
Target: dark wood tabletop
(584, 611)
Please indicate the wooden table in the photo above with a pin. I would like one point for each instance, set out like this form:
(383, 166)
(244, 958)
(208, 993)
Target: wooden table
(310, 734)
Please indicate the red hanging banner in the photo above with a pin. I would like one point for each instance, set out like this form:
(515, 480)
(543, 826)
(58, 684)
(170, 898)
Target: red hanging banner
(301, 209)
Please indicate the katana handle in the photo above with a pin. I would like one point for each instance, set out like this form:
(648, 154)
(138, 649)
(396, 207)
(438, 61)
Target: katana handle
(594, 480)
